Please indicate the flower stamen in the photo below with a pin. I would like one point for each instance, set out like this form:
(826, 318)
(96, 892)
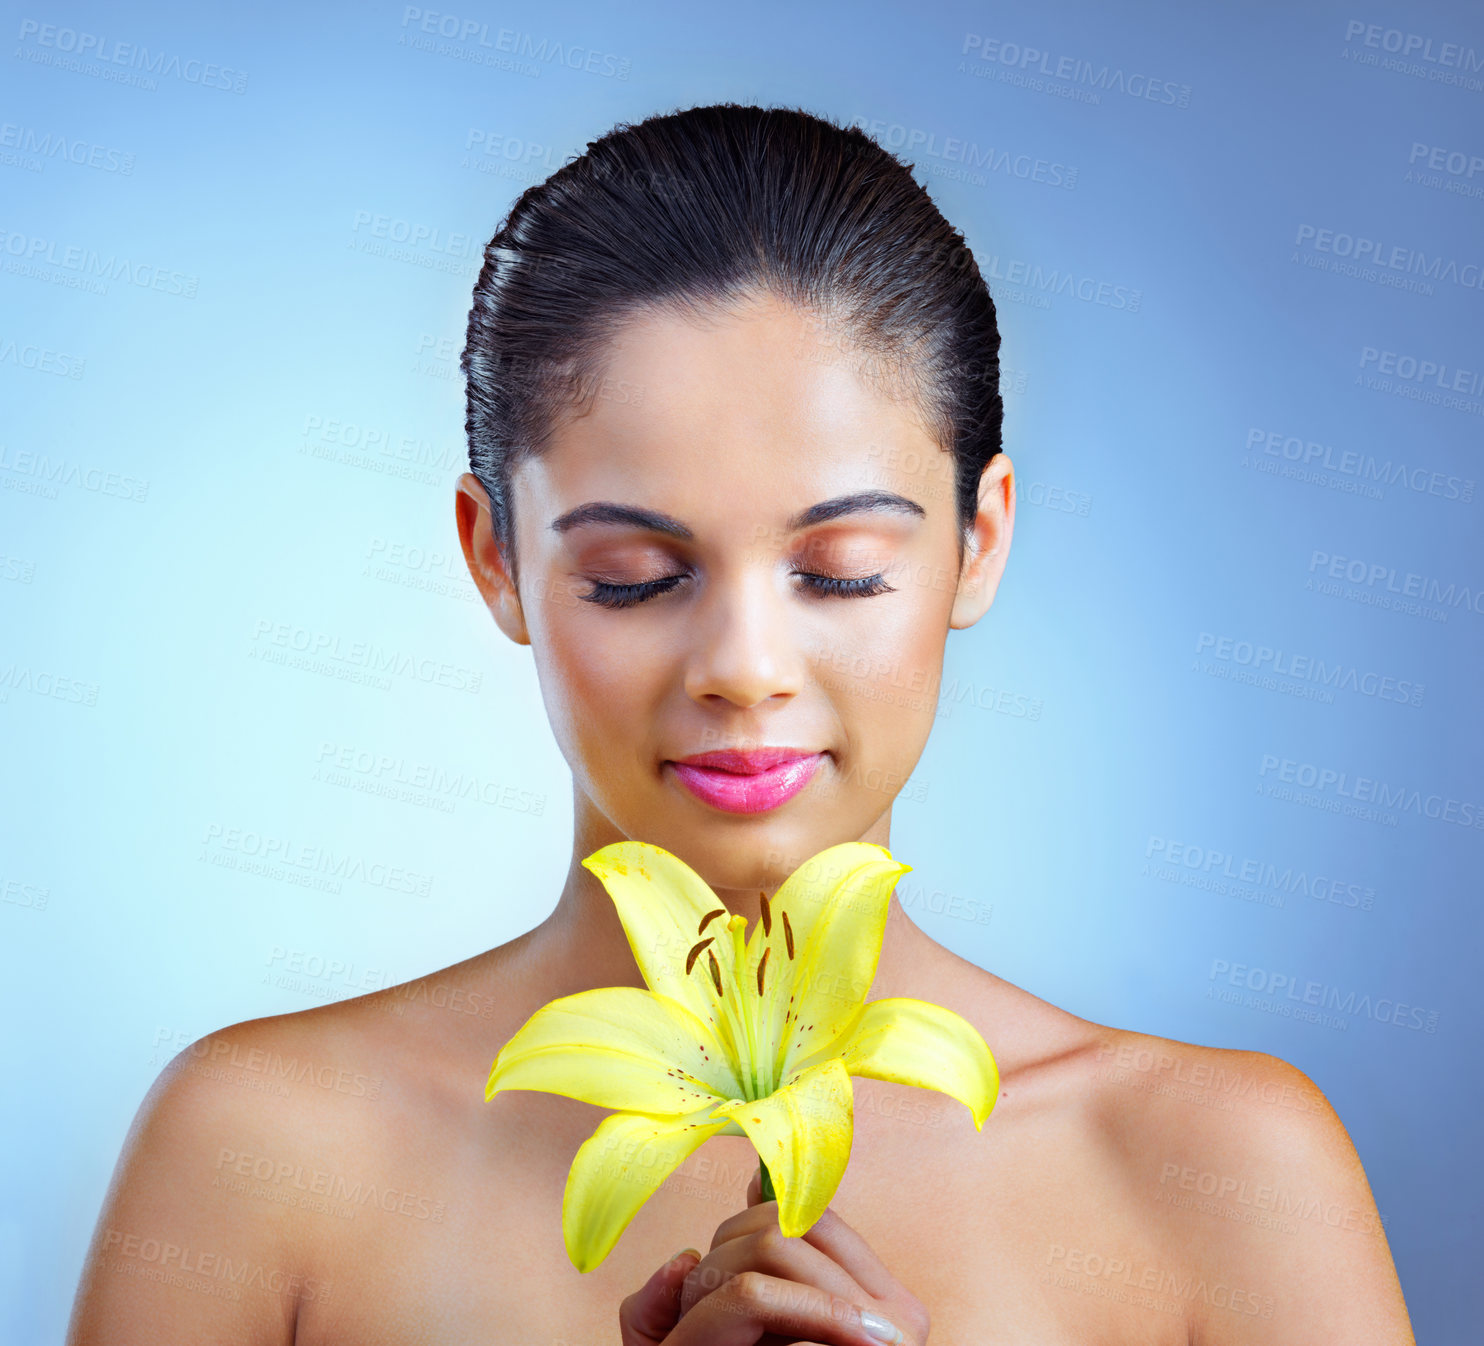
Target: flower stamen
(690, 958)
(788, 933)
(708, 918)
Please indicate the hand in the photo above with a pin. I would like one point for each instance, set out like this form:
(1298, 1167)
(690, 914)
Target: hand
(757, 1288)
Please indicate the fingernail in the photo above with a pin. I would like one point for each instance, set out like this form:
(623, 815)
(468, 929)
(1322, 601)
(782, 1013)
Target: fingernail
(694, 1252)
(873, 1324)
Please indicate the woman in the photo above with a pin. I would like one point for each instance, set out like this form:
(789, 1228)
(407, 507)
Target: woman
(734, 426)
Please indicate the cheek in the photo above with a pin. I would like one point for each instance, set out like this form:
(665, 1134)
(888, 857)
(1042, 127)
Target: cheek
(888, 659)
(596, 683)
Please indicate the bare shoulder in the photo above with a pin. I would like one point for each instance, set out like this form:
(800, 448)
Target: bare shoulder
(175, 1245)
(1246, 1175)
(1217, 1184)
(212, 1224)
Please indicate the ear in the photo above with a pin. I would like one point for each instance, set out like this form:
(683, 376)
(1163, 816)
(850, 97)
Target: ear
(485, 560)
(988, 545)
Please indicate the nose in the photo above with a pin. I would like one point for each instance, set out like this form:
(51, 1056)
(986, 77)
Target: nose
(743, 647)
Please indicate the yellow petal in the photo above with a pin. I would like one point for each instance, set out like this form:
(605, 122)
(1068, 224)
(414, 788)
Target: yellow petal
(803, 1133)
(617, 1047)
(915, 1042)
(617, 1169)
(837, 904)
(660, 901)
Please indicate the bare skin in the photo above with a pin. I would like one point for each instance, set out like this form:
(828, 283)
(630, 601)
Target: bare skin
(336, 1176)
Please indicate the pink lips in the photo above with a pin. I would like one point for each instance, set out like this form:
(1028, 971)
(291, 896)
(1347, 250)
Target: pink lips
(747, 781)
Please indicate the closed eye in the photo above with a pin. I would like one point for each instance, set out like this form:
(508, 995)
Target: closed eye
(831, 586)
(626, 595)
(826, 586)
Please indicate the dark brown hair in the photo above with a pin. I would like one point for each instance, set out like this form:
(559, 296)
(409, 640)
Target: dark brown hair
(697, 208)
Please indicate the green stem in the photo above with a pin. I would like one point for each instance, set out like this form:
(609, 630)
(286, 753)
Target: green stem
(768, 1193)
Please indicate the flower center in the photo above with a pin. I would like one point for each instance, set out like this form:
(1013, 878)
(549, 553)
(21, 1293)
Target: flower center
(742, 1008)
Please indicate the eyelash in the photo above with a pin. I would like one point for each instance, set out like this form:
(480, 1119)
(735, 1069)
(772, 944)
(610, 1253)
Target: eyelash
(627, 595)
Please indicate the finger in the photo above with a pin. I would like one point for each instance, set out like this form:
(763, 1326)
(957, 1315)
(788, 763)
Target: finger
(648, 1315)
(830, 1234)
(755, 1189)
(752, 1304)
(768, 1251)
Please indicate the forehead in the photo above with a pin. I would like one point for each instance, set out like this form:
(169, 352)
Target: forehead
(754, 409)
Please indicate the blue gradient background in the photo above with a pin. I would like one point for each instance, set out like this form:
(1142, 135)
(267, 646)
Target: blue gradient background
(1145, 523)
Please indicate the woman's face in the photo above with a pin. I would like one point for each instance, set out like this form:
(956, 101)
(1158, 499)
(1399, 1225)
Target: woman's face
(743, 547)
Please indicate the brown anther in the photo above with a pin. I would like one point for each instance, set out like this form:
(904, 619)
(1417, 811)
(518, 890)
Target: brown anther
(761, 968)
(715, 971)
(708, 918)
(767, 913)
(690, 958)
(788, 934)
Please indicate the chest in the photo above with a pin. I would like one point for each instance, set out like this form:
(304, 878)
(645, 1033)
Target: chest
(1003, 1240)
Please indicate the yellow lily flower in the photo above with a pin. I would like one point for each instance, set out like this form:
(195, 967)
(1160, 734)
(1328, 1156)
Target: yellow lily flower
(735, 1037)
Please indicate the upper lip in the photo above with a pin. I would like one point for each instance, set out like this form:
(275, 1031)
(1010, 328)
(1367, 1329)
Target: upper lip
(744, 761)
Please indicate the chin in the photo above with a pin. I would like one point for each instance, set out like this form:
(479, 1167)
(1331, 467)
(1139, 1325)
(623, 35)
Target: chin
(750, 851)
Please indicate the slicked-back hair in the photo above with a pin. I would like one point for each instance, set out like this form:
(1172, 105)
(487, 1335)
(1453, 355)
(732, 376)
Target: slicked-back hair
(698, 209)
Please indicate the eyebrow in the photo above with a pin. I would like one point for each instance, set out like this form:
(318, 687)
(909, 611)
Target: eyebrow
(651, 520)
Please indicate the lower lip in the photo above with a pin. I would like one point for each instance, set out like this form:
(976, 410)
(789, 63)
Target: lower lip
(758, 793)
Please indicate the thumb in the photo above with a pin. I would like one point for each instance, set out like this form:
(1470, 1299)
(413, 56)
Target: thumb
(649, 1315)
(755, 1189)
